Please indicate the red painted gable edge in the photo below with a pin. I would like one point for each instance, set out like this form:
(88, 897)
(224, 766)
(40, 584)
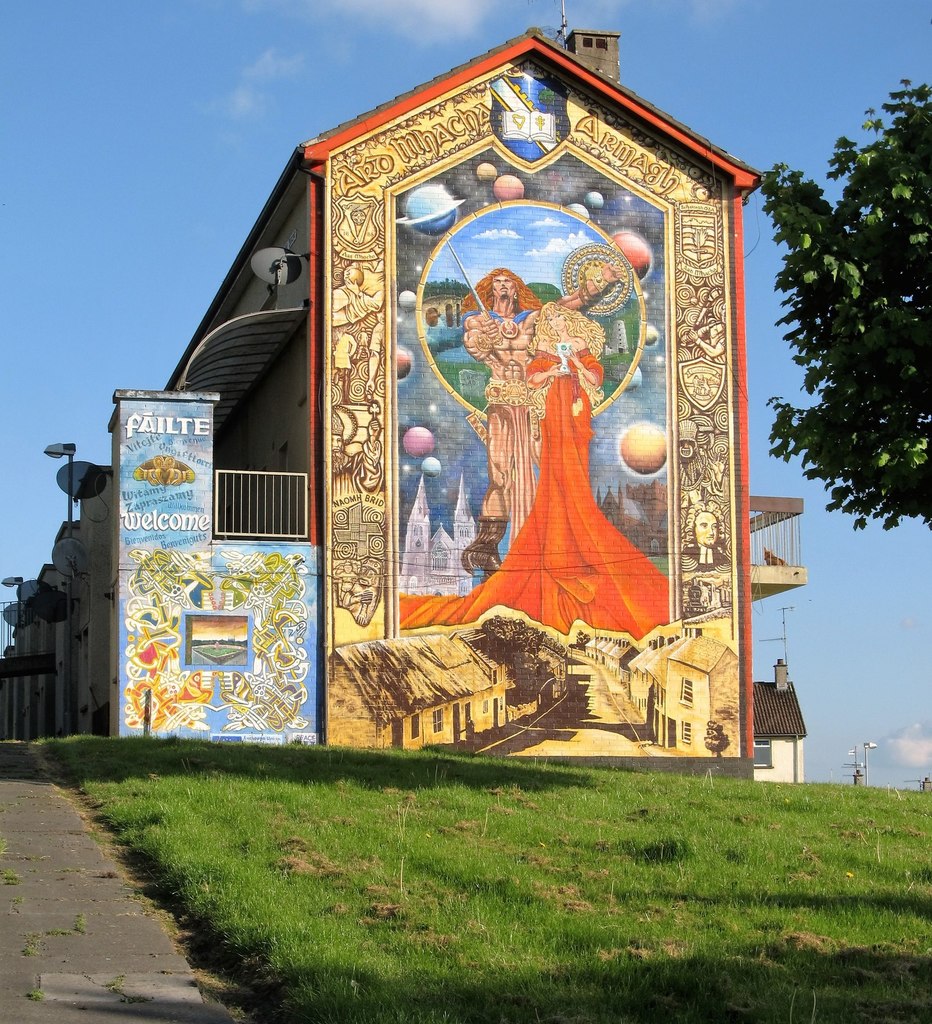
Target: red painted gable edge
(317, 152)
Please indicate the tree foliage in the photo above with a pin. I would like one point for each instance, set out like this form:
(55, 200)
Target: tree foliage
(858, 281)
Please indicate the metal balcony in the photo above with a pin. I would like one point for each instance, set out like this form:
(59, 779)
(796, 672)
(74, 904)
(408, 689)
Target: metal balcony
(252, 505)
(776, 554)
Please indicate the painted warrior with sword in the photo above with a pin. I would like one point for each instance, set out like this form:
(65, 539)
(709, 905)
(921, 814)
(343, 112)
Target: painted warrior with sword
(498, 330)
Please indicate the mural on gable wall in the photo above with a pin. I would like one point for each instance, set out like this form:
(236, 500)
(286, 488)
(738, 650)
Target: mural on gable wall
(217, 640)
(532, 434)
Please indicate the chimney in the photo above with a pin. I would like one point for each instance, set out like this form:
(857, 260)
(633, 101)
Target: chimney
(597, 50)
(779, 674)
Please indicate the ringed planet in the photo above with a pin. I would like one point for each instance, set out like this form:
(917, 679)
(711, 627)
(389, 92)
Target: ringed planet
(430, 209)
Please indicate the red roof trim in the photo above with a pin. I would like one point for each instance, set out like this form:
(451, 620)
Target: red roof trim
(316, 152)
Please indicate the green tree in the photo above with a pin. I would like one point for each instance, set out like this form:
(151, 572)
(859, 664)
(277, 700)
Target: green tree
(859, 286)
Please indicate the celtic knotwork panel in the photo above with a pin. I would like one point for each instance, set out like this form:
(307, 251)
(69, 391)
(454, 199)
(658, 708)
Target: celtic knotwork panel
(171, 596)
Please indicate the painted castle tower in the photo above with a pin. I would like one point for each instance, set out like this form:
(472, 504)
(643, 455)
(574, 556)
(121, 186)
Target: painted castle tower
(433, 564)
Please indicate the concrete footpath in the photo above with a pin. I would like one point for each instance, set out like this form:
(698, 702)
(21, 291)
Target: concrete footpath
(76, 944)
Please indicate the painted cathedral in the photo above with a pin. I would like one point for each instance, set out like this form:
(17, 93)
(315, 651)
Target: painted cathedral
(432, 562)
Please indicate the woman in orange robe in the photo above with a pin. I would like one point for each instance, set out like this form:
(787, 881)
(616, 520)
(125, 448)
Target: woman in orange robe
(568, 562)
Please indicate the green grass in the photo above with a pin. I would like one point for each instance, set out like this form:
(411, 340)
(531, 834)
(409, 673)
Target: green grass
(420, 888)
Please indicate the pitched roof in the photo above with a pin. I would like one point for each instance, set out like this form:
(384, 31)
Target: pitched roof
(701, 652)
(777, 712)
(535, 43)
(413, 673)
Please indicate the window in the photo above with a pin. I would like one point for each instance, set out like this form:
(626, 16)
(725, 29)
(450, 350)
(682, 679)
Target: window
(485, 707)
(686, 692)
(415, 726)
(763, 754)
(686, 733)
(601, 44)
(438, 720)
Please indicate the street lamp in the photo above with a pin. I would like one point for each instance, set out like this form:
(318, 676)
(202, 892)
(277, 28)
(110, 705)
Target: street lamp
(57, 451)
(867, 747)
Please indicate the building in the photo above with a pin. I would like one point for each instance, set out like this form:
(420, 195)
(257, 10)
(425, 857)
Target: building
(520, 282)
(432, 561)
(779, 730)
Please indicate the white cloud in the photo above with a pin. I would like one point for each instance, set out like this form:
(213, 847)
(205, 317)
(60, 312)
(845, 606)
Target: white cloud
(420, 21)
(249, 97)
(547, 222)
(911, 746)
(272, 65)
(561, 245)
(496, 233)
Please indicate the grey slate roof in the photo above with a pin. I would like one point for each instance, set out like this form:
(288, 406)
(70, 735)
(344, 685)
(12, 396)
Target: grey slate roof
(777, 712)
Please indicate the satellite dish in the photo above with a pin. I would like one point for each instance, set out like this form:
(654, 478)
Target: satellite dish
(12, 613)
(69, 556)
(27, 590)
(87, 480)
(18, 614)
(276, 265)
(50, 606)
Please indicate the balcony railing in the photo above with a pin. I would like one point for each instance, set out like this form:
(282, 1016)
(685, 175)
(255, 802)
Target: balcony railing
(776, 549)
(260, 506)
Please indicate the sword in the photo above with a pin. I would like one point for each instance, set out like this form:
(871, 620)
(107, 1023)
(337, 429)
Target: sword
(469, 283)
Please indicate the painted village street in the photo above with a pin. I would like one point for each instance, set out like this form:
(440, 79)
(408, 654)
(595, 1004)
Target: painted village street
(595, 718)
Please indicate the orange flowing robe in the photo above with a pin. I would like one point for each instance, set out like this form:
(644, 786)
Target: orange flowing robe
(567, 562)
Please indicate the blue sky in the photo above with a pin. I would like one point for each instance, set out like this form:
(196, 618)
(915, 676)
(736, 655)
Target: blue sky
(141, 140)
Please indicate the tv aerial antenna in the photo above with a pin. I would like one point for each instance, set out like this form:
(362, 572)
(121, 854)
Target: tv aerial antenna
(776, 639)
(558, 35)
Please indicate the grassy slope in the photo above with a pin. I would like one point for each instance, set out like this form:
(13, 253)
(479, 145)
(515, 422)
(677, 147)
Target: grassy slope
(428, 887)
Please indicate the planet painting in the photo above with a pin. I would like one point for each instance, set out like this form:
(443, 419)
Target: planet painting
(486, 172)
(508, 186)
(431, 466)
(643, 448)
(403, 362)
(430, 209)
(407, 300)
(637, 251)
(418, 442)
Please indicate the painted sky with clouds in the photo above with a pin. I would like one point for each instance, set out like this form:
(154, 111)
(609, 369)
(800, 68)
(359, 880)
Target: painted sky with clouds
(141, 140)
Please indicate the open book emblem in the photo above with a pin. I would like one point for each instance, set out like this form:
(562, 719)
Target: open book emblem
(529, 112)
